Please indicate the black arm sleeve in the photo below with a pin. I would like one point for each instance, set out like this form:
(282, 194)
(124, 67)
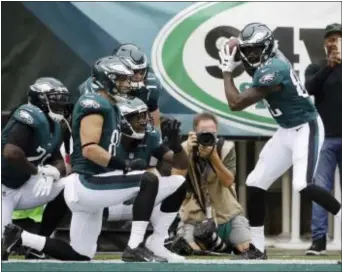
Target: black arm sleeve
(160, 151)
(22, 136)
(315, 77)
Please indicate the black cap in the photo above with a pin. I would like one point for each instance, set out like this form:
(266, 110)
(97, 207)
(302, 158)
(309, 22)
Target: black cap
(332, 29)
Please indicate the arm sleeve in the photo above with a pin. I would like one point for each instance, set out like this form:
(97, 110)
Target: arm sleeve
(315, 77)
(21, 135)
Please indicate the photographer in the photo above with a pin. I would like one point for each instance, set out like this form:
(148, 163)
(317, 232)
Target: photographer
(211, 213)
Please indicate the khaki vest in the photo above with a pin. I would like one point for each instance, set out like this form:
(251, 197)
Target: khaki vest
(223, 200)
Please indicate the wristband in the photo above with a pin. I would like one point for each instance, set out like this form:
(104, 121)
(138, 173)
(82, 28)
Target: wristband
(116, 163)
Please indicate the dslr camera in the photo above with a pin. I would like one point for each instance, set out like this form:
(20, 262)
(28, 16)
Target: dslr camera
(206, 138)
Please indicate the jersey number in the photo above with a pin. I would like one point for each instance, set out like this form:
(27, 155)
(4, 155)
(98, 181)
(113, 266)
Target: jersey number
(42, 156)
(274, 112)
(114, 142)
(299, 87)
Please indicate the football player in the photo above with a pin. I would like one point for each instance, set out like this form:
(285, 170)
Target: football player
(140, 141)
(299, 137)
(99, 177)
(144, 83)
(31, 161)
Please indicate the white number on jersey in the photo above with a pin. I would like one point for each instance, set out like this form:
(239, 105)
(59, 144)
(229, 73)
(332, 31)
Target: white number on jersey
(42, 152)
(114, 142)
(296, 82)
(274, 112)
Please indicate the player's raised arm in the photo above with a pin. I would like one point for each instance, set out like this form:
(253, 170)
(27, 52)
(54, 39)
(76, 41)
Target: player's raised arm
(238, 101)
(174, 153)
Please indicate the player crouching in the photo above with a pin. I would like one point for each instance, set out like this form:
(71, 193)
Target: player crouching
(140, 140)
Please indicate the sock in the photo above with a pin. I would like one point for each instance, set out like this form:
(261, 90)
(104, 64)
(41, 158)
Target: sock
(34, 241)
(137, 233)
(161, 222)
(258, 238)
(338, 215)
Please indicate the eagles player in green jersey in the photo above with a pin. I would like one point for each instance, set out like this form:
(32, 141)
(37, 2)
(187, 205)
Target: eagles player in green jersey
(139, 141)
(300, 135)
(31, 164)
(99, 177)
(144, 83)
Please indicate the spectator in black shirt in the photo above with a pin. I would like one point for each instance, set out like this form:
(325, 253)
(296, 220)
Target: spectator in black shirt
(324, 82)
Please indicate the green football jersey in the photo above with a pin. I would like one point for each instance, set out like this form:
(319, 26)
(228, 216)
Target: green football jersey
(291, 106)
(148, 94)
(45, 144)
(94, 103)
(144, 150)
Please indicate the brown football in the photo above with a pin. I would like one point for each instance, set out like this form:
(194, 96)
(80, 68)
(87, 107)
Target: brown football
(232, 43)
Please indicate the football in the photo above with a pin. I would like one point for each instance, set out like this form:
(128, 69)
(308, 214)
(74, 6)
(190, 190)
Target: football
(232, 43)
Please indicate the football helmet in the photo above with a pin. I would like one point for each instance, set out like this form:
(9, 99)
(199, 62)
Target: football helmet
(256, 45)
(135, 117)
(112, 74)
(137, 61)
(51, 96)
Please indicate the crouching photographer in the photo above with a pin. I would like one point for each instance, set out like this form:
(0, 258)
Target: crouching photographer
(211, 215)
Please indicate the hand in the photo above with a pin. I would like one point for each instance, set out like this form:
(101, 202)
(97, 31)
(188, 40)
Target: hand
(136, 164)
(334, 58)
(50, 171)
(171, 132)
(206, 152)
(191, 141)
(228, 64)
(43, 186)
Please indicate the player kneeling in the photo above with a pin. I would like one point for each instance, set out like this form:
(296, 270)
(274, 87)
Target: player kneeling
(139, 140)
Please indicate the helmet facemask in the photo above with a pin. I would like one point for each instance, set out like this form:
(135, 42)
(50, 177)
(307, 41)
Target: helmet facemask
(134, 125)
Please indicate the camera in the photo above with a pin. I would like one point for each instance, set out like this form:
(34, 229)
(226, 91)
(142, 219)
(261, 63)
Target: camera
(206, 138)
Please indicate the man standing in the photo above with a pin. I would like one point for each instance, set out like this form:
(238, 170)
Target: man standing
(324, 82)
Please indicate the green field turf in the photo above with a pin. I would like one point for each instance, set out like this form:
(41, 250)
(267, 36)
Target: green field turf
(279, 260)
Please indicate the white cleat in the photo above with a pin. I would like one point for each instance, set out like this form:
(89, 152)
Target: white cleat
(158, 249)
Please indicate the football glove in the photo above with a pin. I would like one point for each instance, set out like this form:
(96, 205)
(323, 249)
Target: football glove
(171, 133)
(43, 186)
(49, 170)
(228, 64)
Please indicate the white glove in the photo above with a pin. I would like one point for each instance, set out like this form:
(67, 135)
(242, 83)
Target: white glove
(50, 171)
(228, 64)
(43, 186)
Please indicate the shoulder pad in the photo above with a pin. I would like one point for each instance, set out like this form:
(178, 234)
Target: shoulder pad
(92, 103)
(87, 87)
(154, 137)
(29, 115)
(271, 73)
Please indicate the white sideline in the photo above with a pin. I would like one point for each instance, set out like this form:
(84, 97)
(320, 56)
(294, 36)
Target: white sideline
(207, 261)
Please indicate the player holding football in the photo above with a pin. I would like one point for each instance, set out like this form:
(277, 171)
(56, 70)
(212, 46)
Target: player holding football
(31, 163)
(300, 136)
(140, 141)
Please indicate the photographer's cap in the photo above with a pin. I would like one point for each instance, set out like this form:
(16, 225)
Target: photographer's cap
(332, 29)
